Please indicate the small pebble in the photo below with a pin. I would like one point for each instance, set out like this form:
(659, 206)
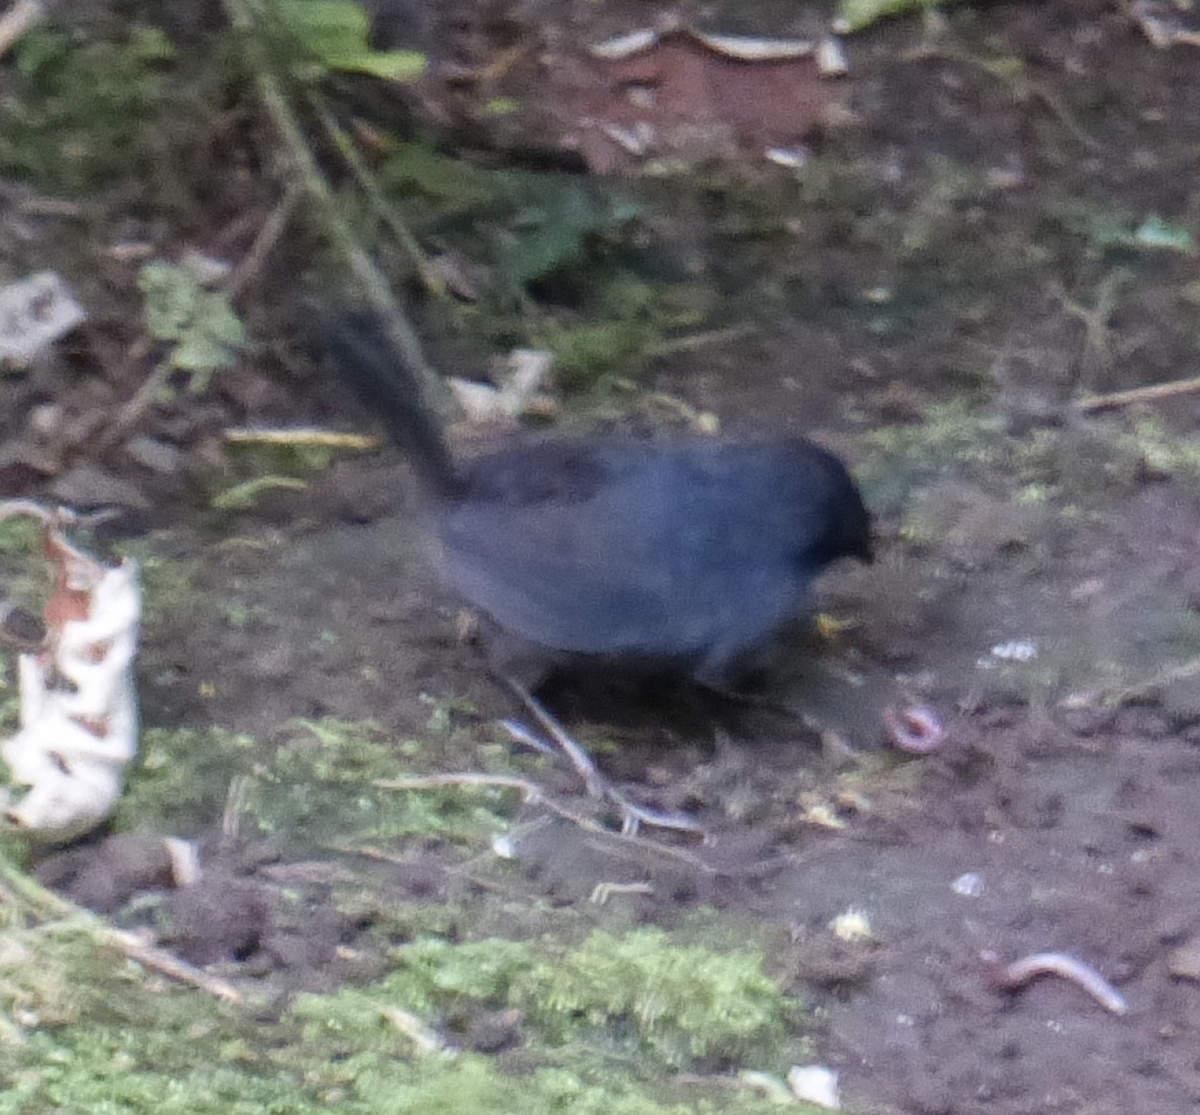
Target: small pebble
(1184, 962)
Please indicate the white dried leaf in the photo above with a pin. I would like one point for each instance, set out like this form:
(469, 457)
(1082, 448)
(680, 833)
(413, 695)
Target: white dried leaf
(79, 722)
(969, 885)
(815, 1084)
(63, 802)
(524, 377)
(831, 58)
(852, 925)
(626, 45)
(745, 48)
(34, 313)
(749, 48)
(481, 402)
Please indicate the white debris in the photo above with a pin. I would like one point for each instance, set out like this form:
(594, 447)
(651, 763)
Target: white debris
(852, 925)
(768, 1086)
(79, 723)
(1016, 650)
(744, 48)
(969, 885)
(749, 48)
(523, 378)
(794, 158)
(625, 45)
(831, 58)
(185, 861)
(1019, 650)
(1166, 23)
(208, 271)
(815, 1084)
(34, 313)
(505, 847)
(637, 140)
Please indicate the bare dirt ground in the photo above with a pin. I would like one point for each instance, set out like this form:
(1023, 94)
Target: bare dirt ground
(1060, 816)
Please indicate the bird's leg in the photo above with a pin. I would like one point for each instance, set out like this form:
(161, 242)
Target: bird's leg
(580, 759)
(633, 816)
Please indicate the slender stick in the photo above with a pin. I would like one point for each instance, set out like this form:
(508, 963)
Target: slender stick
(1140, 394)
(69, 917)
(246, 17)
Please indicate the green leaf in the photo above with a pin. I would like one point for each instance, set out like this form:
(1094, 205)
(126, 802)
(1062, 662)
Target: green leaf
(41, 48)
(242, 497)
(854, 15)
(334, 32)
(150, 44)
(413, 166)
(392, 65)
(201, 324)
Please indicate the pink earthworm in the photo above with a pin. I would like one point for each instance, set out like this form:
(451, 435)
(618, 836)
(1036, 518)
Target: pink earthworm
(1014, 976)
(915, 729)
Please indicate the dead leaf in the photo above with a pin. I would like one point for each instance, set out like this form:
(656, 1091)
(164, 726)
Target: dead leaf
(686, 96)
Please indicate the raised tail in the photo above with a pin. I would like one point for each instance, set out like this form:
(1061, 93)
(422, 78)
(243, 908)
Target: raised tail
(359, 349)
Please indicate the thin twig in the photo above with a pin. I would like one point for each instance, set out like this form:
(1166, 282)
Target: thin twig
(1097, 349)
(693, 341)
(68, 916)
(1016, 80)
(268, 236)
(53, 518)
(602, 892)
(161, 961)
(370, 187)
(245, 16)
(417, 1030)
(1139, 394)
(11, 507)
(299, 438)
(533, 793)
(143, 398)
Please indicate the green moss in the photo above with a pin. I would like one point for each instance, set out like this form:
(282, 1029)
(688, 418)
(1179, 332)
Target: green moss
(183, 777)
(554, 260)
(198, 323)
(683, 1003)
(81, 1033)
(313, 784)
(963, 440)
(20, 535)
(1160, 449)
(634, 994)
(956, 437)
(84, 109)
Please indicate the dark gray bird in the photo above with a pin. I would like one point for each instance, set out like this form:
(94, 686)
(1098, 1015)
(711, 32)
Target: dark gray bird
(684, 553)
